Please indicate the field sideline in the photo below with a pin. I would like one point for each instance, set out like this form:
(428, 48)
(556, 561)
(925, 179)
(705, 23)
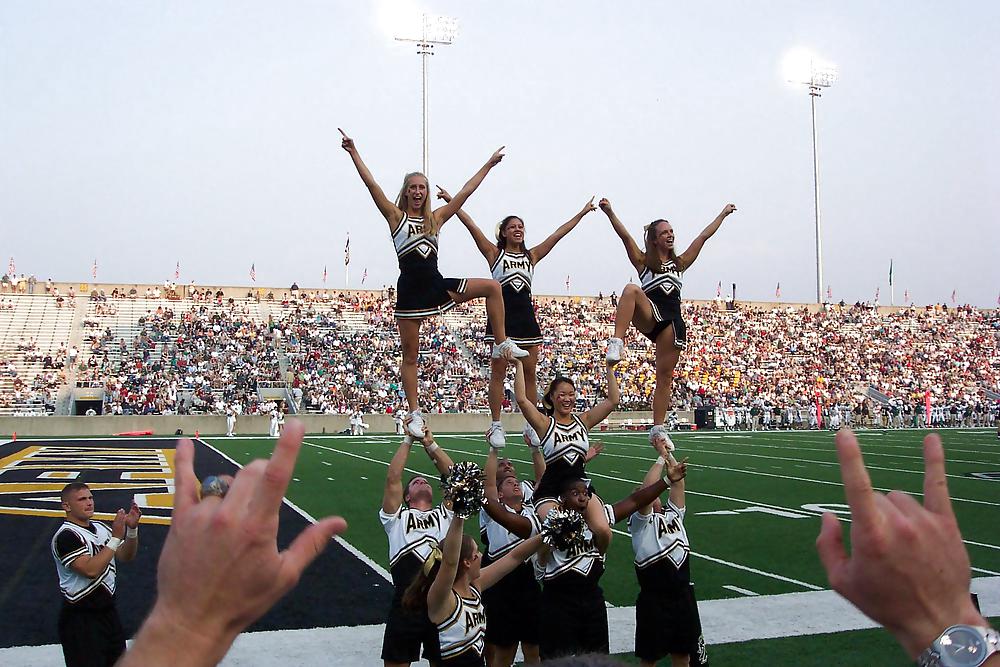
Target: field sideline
(753, 504)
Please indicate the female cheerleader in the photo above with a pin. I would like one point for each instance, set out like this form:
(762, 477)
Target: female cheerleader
(565, 442)
(655, 308)
(421, 291)
(513, 266)
(449, 586)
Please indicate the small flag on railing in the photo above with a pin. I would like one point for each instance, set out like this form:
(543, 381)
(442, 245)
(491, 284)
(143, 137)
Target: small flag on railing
(876, 294)
(324, 275)
(177, 270)
(890, 272)
(253, 273)
(10, 267)
(93, 270)
(364, 276)
(347, 250)
(954, 295)
(829, 293)
(906, 296)
(567, 283)
(718, 290)
(777, 291)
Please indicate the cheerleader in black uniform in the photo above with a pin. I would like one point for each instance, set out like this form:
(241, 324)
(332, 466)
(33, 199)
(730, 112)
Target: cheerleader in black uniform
(421, 291)
(564, 440)
(655, 308)
(513, 266)
(449, 586)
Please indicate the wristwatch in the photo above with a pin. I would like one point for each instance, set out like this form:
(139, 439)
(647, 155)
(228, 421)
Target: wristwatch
(961, 646)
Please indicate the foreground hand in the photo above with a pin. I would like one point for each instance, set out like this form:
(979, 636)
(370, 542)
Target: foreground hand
(118, 525)
(605, 205)
(593, 451)
(588, 207)
(730, 208)
(496, 157)
(220, 568)
(908, 568)
(133, 516)
(676, 470)
(443, 194)
(347, 143)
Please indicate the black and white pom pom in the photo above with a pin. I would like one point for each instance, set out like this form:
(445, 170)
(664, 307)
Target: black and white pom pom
(563, 530)
(464, 487)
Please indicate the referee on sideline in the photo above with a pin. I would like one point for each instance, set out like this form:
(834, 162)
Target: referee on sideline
(90, 631)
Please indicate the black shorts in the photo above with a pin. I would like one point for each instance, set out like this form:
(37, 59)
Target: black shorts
(467, 659)
(553, 478)
(91, 637)
(424, 293)
(519, 319)
(405, 632)
(668, 623)
(666, 313)
(574, 617)
(512, 608)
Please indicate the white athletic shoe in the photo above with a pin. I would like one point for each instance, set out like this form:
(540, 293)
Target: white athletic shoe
(496, 436)
(509, 350)
(659, 432)
(416, 425)
(531, 437)
(616, 350)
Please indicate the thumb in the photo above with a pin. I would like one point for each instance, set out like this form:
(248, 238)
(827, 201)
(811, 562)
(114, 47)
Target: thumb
(830, 547)
(309, 544)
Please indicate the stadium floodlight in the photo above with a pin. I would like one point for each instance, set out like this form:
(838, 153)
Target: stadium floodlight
(434, 30)
(802, 67)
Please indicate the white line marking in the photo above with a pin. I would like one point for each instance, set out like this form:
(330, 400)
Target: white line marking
(741, 591)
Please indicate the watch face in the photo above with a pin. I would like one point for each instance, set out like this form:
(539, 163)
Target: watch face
(962, 647)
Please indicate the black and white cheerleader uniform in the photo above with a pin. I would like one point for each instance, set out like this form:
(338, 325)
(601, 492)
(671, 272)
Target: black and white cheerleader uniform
(666, 611)
(663, 288)
(461, 635)
(564, 448)
(413, 535)
(511, 603)
(574, 615)
(421, 291)
(514, 271)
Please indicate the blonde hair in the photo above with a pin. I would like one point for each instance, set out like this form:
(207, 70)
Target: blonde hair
(652, 255)
(427, 212)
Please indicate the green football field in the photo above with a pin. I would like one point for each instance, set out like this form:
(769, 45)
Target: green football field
(753, 502)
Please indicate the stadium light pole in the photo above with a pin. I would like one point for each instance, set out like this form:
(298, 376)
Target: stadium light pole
(804, 68)
(434, 31)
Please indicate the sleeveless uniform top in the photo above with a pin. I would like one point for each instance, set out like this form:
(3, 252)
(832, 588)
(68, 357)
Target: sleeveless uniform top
(415, 250)
(659, 537)
(565, 442)
(69, 543)
(463, 633)
(663, 288)
(513, 270)
(501, 541)
(527, 490)
(580, 561)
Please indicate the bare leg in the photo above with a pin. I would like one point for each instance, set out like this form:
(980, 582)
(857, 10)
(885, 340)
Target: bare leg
(498, 371)
(503, 656)
(483, 287)
(633, 308)
(409, 336)
(666, 359)
(679, 660)
(530, 365)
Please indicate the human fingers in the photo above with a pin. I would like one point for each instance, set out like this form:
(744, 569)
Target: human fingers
(936, 498)
(241, 489)
(342, 133)
(185, 482)
(857, 483)
(830, 547)
(904, 502)
(307, 545)
(278, 472)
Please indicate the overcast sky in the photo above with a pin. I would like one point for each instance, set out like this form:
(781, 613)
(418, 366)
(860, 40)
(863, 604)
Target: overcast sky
(140, 134)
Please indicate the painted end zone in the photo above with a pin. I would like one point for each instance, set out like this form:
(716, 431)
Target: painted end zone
(337, 590)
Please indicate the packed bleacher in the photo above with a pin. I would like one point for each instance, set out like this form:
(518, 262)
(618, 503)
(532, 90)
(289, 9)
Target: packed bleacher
(189, 350)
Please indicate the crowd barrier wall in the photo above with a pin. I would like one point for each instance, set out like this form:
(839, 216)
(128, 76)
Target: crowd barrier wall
(166, 425)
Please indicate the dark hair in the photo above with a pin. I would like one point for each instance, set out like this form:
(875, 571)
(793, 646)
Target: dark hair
(502, 240)
(415, 596)
(406, 487)
(548, 407)
(70, 488)
(569, 481)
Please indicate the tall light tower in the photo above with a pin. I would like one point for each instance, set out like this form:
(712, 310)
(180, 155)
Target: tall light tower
(434, 30)
(804, 68)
